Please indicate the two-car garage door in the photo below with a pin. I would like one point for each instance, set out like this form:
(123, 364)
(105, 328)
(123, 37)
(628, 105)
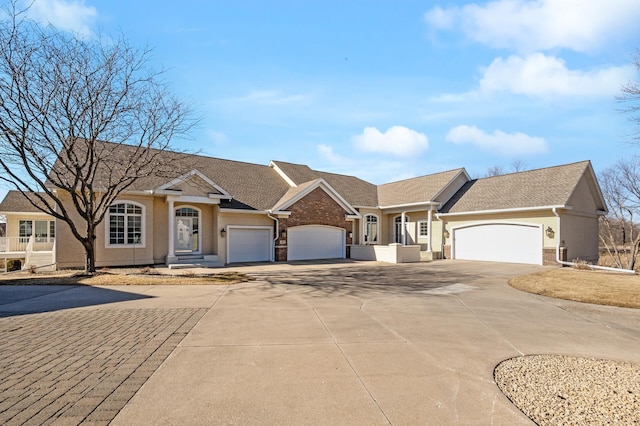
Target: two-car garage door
(501, 242)
(315, 242)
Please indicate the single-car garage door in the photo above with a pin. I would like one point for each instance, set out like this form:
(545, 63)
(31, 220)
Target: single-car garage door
(315, 242)
(512, 243)
(249, 244)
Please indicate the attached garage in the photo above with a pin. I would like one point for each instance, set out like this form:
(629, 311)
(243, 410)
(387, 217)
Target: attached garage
(499, 242)
(249, 244)
(315, 242)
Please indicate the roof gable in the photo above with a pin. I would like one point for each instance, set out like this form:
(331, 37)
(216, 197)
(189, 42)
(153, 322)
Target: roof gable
(17, 202)
(194, 183)
(421, 189)
(299, 192)
(355, 191)
(547, 187)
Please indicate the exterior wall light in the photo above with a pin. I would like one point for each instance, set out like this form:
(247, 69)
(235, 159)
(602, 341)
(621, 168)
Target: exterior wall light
(283, 233)
(550, 233)
(446, 233)
(350, 234)
(223, 232)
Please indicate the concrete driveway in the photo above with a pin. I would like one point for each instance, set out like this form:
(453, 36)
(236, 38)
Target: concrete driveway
(344, 343)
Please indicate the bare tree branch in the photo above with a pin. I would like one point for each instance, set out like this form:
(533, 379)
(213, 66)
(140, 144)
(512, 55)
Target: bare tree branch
(61, 96)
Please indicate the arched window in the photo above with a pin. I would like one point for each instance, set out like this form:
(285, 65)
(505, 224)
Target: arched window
(370, 229)
(125, 225)
(397, 228)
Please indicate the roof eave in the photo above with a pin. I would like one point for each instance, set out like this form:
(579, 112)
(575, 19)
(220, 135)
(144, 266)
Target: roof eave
(510, 210)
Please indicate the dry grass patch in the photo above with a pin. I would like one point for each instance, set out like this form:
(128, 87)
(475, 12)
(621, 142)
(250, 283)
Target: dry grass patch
(597, 287)
(115, 278)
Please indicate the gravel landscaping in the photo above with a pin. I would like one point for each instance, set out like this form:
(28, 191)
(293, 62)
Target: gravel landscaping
(564, 390)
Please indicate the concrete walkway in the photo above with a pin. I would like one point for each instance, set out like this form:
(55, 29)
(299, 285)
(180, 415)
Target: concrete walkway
(347, 343)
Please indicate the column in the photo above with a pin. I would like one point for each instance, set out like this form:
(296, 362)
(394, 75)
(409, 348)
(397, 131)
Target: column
(171, 229)
(403, 228)
(429, 222)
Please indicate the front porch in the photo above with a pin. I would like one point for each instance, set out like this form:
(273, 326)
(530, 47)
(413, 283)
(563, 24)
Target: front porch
(30, 251)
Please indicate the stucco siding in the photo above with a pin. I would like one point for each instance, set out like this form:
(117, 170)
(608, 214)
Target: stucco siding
(582, 198)
(238, 219)
(579, 234)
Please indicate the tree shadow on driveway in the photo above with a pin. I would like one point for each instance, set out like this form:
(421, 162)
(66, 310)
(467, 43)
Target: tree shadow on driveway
(364, 281)
(22, 300)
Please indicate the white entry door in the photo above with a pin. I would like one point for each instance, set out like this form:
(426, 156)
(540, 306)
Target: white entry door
(184, 235)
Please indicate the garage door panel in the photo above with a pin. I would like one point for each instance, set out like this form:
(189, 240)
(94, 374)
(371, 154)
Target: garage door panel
(315, 242)
(249, 245)
(511, 243)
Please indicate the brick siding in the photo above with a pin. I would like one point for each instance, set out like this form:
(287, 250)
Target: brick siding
(316, 208)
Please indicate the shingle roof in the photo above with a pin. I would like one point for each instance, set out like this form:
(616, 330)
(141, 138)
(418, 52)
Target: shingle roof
(415, 190)
(15, 201)
(252, 186)
(356, 191)
(550, 186)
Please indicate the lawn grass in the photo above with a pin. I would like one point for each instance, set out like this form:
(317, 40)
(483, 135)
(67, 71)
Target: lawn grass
(602, 288)
(118, 278)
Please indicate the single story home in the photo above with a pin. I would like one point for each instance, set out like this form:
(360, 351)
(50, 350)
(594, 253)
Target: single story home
(223, 211)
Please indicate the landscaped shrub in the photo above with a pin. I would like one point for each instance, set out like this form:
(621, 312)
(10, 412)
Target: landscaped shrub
(14, 265)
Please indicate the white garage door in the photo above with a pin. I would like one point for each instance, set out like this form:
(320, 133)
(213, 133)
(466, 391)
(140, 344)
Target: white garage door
(249, 245)
(513, 243)
(315, 242)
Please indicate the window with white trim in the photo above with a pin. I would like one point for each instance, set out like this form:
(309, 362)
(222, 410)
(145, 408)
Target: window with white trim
(423, 228)
(370, 229)
(125, 224)
(45, 230)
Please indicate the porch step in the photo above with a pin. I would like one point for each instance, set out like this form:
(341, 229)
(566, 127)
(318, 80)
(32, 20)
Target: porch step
(186, 261)
(192, 265)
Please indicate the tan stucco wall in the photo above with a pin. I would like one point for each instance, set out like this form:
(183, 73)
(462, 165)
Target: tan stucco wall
(582, 199)
(240, 219)
(579, 234)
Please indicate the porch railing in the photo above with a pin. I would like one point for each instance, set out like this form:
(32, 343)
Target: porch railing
(19, 244)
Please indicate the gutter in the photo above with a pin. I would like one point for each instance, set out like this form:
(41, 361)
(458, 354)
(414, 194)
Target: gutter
(565, 263)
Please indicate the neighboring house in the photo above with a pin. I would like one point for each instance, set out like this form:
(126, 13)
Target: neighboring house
(30, 234)
(223, 211)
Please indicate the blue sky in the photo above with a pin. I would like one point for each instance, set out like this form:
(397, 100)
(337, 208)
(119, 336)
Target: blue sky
(387, 90)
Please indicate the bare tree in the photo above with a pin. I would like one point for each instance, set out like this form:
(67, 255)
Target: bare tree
(516, 166)
(618, 231)
(60, 96)
(630, 100)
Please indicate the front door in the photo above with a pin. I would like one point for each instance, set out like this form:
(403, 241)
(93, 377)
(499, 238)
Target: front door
(184, 235)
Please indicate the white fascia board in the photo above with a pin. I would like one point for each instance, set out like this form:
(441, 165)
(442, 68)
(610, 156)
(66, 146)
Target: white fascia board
(410, 205)
(520, 209)
(221, 197)
(353, 216)
(192, 199)
(282, 174)
(279, 213)
(461, 172)
(243, 211)
(38, 213)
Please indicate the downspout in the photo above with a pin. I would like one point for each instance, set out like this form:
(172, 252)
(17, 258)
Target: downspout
(275, 219)
(565, 263)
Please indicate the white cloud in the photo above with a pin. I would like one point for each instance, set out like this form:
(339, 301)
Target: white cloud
(71, 15)
(541, 75)
(326, 152)
(397, 140)
(218, 138)
(532, 25)
(509, 144)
